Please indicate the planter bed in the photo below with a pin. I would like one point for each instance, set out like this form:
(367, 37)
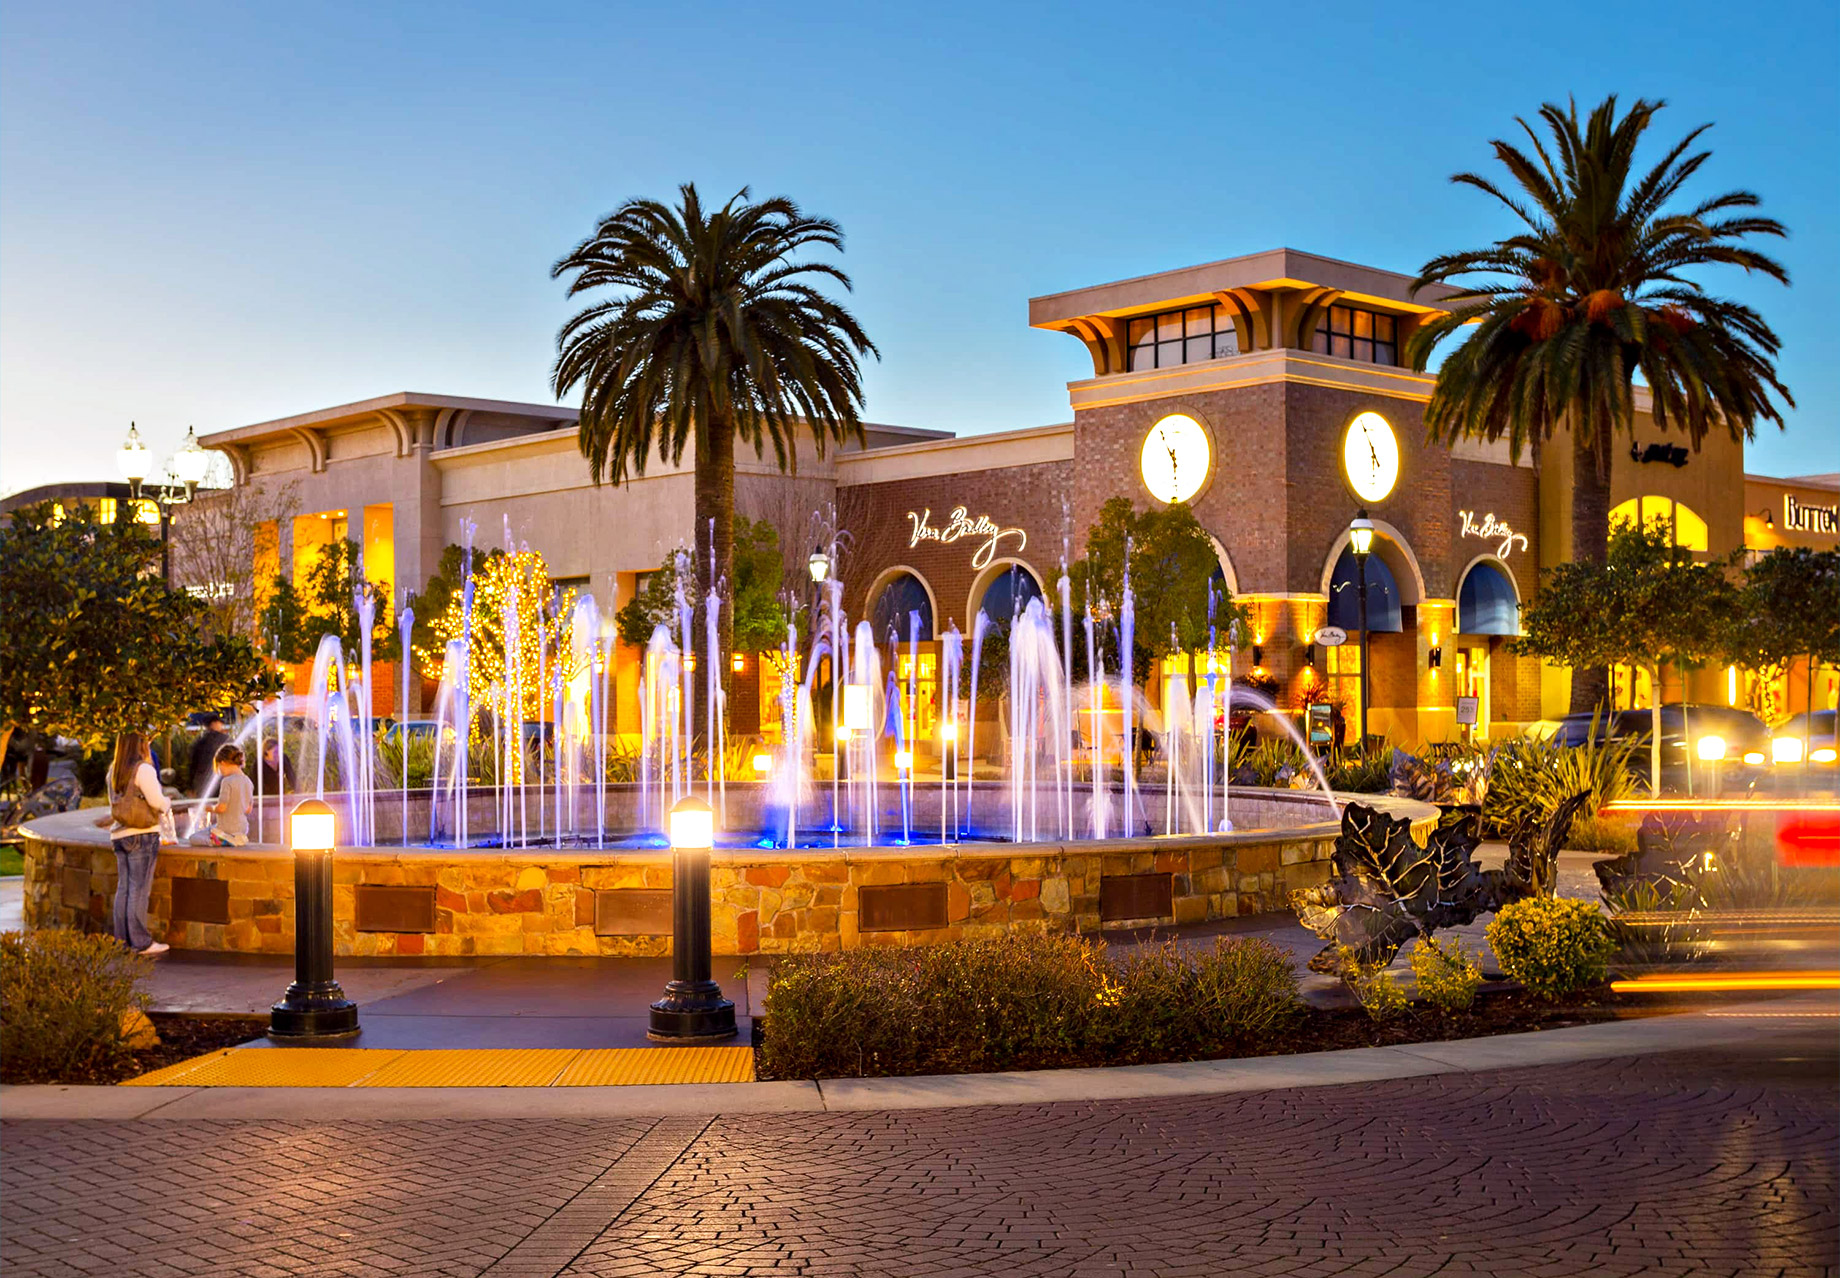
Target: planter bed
(182, 1036)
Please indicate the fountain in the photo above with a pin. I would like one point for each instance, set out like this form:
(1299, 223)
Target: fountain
(557, 818)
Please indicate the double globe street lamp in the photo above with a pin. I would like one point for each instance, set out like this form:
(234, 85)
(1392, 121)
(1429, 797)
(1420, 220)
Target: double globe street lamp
(184, 471)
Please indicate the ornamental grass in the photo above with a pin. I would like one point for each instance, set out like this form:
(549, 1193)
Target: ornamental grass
(1021, 1000)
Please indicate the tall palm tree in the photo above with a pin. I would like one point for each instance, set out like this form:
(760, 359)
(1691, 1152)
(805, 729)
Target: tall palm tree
(1562, 316)
(714, 333)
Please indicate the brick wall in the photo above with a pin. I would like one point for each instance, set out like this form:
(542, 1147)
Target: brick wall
(1025, 497)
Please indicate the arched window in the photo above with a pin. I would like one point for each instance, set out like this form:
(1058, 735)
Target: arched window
(1486, 604)
(1382, 595)
(901, 595)
(1686, 528)
(1009, 593)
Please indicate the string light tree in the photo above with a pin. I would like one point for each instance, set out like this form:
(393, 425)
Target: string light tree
(514, 587)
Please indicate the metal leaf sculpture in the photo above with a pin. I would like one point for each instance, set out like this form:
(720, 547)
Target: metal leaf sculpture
(1672, 849)
(1386, 888)
(1532, 867)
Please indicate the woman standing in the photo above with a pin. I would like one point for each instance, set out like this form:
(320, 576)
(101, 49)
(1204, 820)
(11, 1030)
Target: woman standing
(138, 810)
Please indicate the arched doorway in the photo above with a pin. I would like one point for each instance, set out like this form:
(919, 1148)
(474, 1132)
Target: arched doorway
(1488, 612)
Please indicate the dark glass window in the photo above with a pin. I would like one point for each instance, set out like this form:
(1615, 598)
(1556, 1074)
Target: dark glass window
(1187, 336)
(1008, 594)
(1353, 333)
(902, 596)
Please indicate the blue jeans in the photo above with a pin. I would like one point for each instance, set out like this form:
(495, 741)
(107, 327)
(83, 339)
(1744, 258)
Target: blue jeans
(134, 858)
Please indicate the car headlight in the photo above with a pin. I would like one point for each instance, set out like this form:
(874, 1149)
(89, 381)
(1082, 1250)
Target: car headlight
(1711, 748)
(1824, 755)
(1754, 758)
(1786, 750)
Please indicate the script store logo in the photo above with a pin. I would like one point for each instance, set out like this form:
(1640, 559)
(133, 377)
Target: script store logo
(959, 526)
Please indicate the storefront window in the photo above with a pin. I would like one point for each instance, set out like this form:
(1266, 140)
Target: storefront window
(1189, 336)
(1353, 333)
(1685, 527)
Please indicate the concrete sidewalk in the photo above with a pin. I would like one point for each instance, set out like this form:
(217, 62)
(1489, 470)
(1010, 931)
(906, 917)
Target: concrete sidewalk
(1737, 1024)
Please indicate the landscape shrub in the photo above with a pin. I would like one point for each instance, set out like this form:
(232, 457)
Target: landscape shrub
(1609, 837)
(1377, 993)
(1552, 945)
(1019, 1001)
(1447, 976)
(1654, 922)
(1529, 778)
(67, 1003)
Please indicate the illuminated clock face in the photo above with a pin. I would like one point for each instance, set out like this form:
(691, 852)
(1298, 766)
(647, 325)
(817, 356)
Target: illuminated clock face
(1175, 459)
(1370, 457)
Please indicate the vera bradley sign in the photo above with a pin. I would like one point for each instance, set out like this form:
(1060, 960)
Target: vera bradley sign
(959, 526)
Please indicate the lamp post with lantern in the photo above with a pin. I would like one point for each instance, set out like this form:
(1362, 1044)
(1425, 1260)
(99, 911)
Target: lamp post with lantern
(314, 1006)
(188, 467)
(692, 1008)
(1361, 543)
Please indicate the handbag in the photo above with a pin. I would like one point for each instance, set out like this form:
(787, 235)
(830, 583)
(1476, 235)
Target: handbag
(132, 810)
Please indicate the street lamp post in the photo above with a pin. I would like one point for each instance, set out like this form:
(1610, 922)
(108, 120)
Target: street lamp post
(692, 1008)
(314, 1006)
(189, 466)
(1361, 542)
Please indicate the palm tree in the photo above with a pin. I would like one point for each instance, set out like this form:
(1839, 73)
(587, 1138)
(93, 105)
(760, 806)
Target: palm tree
(714, 334)
(1562, 316)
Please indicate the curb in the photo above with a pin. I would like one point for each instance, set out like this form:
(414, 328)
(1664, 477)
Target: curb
(1681, 1032)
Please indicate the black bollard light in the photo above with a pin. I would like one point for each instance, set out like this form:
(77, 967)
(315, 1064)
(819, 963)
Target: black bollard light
(692, 1008)
(314, 1006)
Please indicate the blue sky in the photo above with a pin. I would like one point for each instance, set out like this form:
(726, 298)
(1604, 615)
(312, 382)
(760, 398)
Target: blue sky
(218, 214)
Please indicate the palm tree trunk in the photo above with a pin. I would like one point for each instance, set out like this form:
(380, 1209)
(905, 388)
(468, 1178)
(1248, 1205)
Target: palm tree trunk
(1590, 540)
(715, 508)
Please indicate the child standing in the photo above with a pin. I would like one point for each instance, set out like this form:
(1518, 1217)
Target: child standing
(235, 796)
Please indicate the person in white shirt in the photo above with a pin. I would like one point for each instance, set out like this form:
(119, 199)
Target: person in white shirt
(138, 812)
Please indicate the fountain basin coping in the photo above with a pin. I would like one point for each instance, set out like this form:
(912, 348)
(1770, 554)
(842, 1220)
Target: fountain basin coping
(616, 901)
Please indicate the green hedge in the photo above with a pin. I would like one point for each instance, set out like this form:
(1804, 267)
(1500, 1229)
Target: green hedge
(1021, 1001)
(66, 1002)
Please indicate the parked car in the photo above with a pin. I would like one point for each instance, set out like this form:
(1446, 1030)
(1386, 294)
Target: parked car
(1726, 743)
(1805, 737)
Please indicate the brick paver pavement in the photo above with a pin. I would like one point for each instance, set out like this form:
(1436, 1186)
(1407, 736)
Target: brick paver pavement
(1687, 1164)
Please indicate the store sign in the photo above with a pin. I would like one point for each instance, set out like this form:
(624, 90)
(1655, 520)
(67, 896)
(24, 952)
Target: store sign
(212, 591)
(959, 526)
(1801, 517)
(1330, 637)
(1489, 528)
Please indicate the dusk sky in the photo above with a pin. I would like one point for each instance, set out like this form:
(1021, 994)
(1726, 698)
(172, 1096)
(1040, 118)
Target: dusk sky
(219, 214)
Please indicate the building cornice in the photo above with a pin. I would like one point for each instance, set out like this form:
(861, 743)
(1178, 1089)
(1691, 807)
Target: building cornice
(996, 451)
(1260, 368)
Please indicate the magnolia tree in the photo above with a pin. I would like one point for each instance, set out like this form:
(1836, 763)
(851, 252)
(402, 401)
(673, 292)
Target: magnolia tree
(1649, 604)
(96, 644)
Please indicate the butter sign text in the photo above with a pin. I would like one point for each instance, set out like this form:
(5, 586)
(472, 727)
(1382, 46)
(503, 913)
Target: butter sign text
(1490, 528)
(960, 525)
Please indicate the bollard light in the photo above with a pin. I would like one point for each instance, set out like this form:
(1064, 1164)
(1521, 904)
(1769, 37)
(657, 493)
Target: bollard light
(763, 764)
(314, 1006)
(856, 707)
(692, 1009)
(1711, 748)
(951, 730)
(1786, 750)
(903, 760)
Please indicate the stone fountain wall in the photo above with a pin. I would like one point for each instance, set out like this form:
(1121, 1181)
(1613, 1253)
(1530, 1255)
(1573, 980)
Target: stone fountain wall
(581, 901)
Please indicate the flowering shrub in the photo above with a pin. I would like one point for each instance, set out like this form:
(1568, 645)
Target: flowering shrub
(1552, 945)
(1020, 1001)
(1379, 996)
(1446, 975)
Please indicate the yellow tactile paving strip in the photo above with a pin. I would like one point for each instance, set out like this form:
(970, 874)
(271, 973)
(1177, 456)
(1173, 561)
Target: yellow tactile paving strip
(631, 1066)
(455, 1067)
